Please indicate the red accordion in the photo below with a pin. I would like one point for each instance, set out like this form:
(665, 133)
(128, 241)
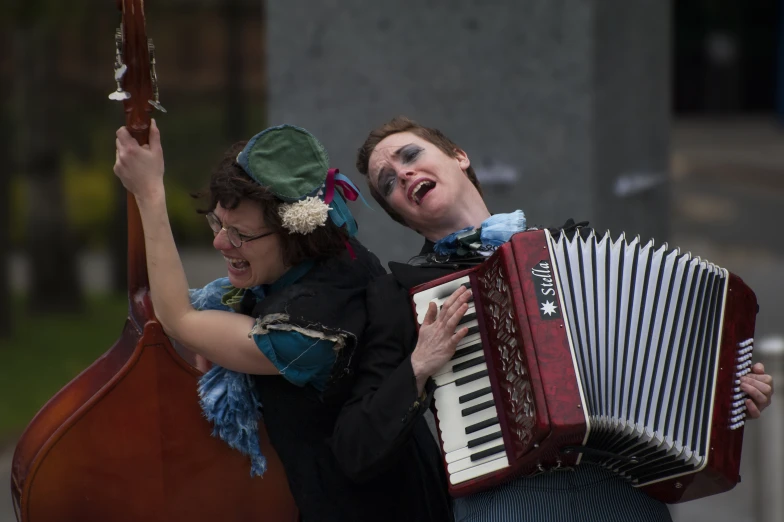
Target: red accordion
(595, 350)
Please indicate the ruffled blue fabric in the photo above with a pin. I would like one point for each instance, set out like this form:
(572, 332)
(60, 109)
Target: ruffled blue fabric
(210, 296)
(494, 232)
(228, 399)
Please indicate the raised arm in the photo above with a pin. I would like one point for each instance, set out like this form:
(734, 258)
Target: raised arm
(221, 337)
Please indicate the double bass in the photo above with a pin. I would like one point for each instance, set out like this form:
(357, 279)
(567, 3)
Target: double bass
(126, 439)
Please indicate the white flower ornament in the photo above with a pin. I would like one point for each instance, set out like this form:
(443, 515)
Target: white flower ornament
(304, 216)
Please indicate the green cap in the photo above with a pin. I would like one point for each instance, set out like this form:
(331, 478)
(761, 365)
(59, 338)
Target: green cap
(287, 160)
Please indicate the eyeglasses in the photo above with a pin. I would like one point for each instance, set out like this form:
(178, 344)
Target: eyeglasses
(235, 238)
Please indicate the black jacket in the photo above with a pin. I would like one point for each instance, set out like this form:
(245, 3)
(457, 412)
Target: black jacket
(300, 420)
(381, 430)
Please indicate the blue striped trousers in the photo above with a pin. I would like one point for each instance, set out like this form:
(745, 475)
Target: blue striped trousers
(587, 493)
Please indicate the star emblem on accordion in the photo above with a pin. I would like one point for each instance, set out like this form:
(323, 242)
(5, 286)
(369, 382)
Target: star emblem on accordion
(548, 308)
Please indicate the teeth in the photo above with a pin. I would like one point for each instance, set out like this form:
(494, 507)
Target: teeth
(236, 263)
(416, 189)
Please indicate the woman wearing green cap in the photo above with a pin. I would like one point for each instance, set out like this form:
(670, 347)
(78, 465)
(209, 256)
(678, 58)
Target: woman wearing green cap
(283, 327)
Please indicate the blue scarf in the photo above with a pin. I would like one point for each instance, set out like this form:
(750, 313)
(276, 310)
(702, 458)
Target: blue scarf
(227, 398)
(494, 232)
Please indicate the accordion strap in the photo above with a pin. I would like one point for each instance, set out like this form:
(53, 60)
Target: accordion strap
(433, 260)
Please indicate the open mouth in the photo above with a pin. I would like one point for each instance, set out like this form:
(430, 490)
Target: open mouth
(237, 264)
(420, 190)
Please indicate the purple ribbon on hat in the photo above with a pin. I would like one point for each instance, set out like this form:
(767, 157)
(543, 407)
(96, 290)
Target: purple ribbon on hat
(334, 178)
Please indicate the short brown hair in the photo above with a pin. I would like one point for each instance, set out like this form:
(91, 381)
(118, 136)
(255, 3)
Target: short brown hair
(396, 126)
(230, 185)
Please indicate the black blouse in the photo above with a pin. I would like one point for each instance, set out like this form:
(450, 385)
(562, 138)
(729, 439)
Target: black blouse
(381, 431)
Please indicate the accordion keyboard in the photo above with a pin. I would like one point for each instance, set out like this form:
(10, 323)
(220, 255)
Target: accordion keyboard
(467, 417)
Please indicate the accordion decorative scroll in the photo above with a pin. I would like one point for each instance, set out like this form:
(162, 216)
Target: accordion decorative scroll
(595, 350)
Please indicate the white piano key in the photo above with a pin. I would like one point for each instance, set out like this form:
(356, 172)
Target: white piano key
(453, 376)
(450, 416)
(466, 463)
(455, 440)
(483, 468)
(469, 312)
(469, 340)
(447, 368)
(478, 400)
(447, 398)
(469, 315)
(440, 302)
(451, 409)
(460, 423)
(467, 349)
(452, 392)
(422, 299)
(468, 324)
(462, 453)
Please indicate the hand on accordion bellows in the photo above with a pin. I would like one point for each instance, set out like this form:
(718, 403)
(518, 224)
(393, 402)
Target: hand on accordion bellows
(437, 336)
(759, 386)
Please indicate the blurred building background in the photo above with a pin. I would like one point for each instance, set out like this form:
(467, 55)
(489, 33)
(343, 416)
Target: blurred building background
(653, 117)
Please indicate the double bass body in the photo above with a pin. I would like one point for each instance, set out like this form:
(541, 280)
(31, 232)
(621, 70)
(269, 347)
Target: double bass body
(126, 441)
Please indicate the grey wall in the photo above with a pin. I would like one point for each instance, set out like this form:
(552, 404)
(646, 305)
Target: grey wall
(567, 95)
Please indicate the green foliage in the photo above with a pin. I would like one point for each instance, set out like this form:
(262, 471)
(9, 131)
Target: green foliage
(90, 198)
(44, 354)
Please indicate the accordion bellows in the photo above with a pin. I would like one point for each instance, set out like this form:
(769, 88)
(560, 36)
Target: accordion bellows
(600, 350)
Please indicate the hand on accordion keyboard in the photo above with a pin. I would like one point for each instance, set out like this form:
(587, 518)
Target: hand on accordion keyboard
(759, 386)
(437, 336)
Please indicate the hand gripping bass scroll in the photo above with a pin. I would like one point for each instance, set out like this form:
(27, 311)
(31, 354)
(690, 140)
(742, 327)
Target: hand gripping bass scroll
(126, 439)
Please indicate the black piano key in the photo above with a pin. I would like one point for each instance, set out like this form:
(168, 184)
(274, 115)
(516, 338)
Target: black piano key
(467, 317)
(471, 378)
(486, 453)
(465, 350)
(474, 395)
(466, 285)
(485, 438)
(474, 329)
(476, 361)
(479, 407)
(481, 425)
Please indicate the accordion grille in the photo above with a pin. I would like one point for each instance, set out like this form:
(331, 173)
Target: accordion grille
(514, 376)
(645, 325)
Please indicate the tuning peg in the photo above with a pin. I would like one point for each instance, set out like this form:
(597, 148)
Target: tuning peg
(119, 72)
(156, 101)
(119, 69)
(157, 105)
(120, 95)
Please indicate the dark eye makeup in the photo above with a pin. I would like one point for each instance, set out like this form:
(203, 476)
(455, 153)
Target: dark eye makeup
(387, 178)
(409, 153)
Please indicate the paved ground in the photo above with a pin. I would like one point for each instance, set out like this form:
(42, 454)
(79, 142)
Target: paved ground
(728, 191)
